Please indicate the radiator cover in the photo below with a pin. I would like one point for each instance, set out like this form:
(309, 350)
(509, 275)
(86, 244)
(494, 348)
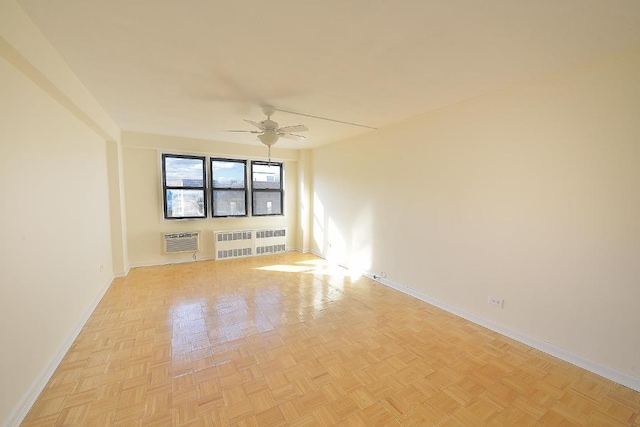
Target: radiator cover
(243, 243)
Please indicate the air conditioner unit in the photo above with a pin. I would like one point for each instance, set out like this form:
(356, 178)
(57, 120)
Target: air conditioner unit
(188, 241)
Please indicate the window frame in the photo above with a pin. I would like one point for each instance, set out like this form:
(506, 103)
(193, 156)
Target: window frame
(166, 187)
(268, 190)
(214, 189)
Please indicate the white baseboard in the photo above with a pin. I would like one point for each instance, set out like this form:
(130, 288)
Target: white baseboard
(122, 273)
(316, 253)
(170, 261)
(302, 251)
(207, 258)
(28, 399)
(544, 346)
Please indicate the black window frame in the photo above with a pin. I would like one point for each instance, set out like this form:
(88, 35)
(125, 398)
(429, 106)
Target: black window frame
(166, 187)
(268, 190)
(214, 189)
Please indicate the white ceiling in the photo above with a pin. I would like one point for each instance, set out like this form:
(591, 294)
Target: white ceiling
(196, 67)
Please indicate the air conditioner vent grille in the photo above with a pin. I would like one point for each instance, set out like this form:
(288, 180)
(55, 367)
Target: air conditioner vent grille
(180, 242)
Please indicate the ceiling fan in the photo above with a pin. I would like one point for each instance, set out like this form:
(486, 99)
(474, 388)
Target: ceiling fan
(269, 131)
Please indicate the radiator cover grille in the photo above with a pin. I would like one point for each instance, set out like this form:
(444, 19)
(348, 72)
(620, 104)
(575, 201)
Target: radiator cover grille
(270, 249)
(244, 243)
(234, 253)
(227, 236)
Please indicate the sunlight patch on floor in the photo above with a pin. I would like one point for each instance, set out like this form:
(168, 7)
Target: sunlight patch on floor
(315, 267)
(286, 268)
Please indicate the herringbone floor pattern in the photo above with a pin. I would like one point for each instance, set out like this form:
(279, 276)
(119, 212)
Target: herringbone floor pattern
(285, 340)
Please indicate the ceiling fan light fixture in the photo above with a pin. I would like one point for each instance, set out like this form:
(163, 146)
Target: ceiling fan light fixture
(268, 138)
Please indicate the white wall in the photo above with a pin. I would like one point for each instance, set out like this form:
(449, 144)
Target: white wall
(119, 250)
(531, 194)
(303, 232)
(55, 250)
(142, 180)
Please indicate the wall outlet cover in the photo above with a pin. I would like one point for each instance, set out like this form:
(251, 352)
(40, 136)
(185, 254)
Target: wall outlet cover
(498, 302)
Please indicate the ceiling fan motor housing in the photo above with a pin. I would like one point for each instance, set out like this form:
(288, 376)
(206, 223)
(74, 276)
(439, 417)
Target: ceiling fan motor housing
(269, 124)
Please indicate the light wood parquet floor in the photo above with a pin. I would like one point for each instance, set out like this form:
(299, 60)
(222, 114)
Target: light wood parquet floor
(285, 340)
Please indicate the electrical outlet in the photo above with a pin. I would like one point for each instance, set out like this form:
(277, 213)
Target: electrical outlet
(382, 275)
(498, 302)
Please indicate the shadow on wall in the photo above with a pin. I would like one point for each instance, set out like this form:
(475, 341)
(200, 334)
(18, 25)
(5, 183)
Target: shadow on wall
(341, 243)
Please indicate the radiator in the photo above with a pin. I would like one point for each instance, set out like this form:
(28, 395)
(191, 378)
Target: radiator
(243, 243)
(188, 241)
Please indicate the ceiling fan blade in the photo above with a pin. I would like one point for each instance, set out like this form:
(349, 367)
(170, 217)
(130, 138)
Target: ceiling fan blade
(256, 124)
(245, 131)
(294, 128)
(292, 136)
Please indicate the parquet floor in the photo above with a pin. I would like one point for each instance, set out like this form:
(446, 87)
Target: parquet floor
(284, 340)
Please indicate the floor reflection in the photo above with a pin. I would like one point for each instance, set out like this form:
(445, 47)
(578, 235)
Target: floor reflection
(225, 311)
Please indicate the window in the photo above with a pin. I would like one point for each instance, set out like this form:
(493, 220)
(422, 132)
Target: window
(183, 184)
(229, 187)
(266, 188)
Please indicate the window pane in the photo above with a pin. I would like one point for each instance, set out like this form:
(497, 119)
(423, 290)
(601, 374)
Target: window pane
(183, 172)
(265, 176)
(267, 203)
(228, 174)
(229, 203)
(185, 203)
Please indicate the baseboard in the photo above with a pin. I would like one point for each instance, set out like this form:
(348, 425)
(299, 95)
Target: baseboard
(207, 258)
(544, 346)
(122, 273)
(24, 405)
(316, 253)
(169, 262)
(302, 251)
